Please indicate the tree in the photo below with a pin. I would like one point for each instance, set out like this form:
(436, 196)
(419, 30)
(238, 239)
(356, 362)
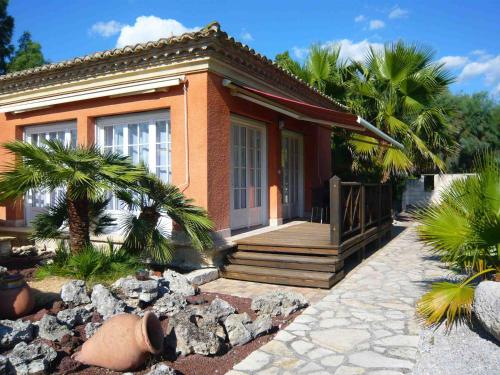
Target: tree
(6, 30)
(396, 90)
(28, 54)
(476, 121)
(85, 173)
(145, 227)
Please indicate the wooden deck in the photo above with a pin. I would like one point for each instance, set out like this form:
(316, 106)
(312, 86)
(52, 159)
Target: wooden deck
(300, 255)
(313, 254)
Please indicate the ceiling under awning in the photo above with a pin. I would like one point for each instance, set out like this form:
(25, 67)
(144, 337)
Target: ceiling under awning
(308, 112)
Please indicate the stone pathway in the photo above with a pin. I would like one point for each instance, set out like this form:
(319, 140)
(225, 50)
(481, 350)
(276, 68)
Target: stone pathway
(365, 325)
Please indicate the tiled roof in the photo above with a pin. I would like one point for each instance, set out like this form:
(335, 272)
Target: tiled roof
(211, 30)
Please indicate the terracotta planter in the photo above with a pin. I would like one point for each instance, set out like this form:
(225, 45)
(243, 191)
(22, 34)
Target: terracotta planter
(16, 297)
(123, 342)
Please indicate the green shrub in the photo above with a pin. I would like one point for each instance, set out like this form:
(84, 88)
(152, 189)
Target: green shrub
(92, 264)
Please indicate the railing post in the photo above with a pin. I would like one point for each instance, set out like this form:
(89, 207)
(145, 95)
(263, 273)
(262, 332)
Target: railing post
(362, 219)
(335, 211)
(379, 213)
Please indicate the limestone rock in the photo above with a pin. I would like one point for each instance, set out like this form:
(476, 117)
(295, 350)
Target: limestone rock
(50, 329)
(91, 328)
(202, 276)
(15, 331)
(75, 292)
(178, 284)
(261, 325)
(220, 309)
(487, 306)
(31, 359)
(161, 369)
(4, 365)
(143, 290)
(169, 305)
(75, 316)
(279, 303)
(189, 333)
(236, 328)
(105, 303)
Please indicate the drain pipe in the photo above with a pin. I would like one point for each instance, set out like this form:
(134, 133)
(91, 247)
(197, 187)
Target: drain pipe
(185, 185)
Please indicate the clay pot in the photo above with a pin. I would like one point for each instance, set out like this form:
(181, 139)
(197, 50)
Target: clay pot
(123, 342)
(16, 297)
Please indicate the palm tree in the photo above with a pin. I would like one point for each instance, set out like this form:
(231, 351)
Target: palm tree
(464, 229)
(85, 173)
(145, 228)
(322, 69)
(397, 90)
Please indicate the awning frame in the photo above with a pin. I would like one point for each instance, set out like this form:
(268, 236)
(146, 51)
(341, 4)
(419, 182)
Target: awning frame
(240, 92)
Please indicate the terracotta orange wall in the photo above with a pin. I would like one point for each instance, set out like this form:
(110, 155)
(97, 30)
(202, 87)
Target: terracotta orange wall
(85, 113)
(317, 151)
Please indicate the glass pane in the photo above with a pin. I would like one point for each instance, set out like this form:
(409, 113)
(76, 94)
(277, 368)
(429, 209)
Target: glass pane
(161, 131)
(34, 139)
(144, 133)
(132, 134)
(236, 177)
(73, 139)
(236, 198)
(144, 154)
(52, 135)
(243, 197)
(108, 136)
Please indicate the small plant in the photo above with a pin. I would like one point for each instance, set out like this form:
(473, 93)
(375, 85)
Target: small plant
(93, 264)
(464, 229)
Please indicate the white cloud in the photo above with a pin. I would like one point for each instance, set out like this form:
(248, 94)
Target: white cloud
(300, 52)
(398, 12)
(246, 36)
(453, 62)
(106, 29)
(376, 24)
(488, 69)
(148, 28)
(359, 18)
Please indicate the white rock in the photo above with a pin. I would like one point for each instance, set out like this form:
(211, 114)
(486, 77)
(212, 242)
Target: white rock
(487, 306)
(279, 302)
(50, 329)
(178, 283)
(75, 292)
(237, 331)
(14, 331)
(105, 303)
(143, 290)
(161, 369)
(202, 276)
(75, 316)
(31, 359)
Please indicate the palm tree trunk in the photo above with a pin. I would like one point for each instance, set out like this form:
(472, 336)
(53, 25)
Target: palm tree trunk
(79, 224)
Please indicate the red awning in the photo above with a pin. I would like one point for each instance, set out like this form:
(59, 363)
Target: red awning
(308, 112)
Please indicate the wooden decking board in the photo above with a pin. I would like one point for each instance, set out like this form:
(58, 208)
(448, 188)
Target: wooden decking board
(286, 258)
(289, 265)
(286, 249)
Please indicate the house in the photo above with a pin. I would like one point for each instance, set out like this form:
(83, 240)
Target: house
(242, 137)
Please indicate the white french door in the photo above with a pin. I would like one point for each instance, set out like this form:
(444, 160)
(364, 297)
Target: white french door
(248, 174)
(37, 201)
(292, 180)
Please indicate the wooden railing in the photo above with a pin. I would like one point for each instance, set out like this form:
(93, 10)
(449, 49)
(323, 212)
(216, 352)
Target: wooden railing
(356, 208)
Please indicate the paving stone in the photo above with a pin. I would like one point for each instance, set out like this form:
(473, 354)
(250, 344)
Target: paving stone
(319, 353)
(336, 322)
(284, 336)
(332, 360)
(349, 370)
(370, 359)
(309, 368)
(340, 339)
(254, 361)
(288, 363)
(277, 348)
(302, 347)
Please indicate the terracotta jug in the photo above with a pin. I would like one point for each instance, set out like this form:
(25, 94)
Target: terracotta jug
(123, 342)
(16, 297)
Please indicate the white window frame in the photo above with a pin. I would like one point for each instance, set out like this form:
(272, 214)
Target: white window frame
(150, 118)
(67, 127)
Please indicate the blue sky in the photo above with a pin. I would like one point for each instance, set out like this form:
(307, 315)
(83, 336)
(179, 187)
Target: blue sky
(464, 34)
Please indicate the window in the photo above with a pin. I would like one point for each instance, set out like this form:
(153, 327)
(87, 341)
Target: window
(428, 182)
(39, 199)
(144, 137)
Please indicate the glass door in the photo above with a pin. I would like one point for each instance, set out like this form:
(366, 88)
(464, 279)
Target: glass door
(292, 185)
(247, 177)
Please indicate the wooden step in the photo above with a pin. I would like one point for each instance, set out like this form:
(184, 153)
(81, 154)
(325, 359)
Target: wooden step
(272, 248)
(314, 279)
(287, 261)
